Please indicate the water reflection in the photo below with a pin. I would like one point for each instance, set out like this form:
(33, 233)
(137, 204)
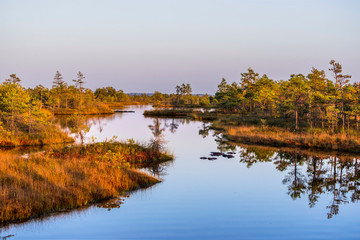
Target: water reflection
(173, 125)
(6, 237)
(302, 188)
(79, 125)
(158, 141)
(205, 128)
(307, 174)
(113, 203)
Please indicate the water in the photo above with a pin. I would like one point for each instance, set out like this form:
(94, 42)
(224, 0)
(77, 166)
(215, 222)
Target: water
(261, 193)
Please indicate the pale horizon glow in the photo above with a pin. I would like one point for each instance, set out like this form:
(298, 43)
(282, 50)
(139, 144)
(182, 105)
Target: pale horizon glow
(143, 46)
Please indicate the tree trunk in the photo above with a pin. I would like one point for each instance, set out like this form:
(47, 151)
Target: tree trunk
(29, 127)
(296, 117)
(12, 114)
(310, 116)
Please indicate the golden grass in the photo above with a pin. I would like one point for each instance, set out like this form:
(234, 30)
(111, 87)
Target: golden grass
(282, 137)
(68, 178)
(98, 108)
(50, 135)
(113, 105)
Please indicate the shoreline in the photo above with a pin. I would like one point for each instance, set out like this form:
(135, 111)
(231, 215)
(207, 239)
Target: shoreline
(72, 177)
(277, 137)
(266, 135)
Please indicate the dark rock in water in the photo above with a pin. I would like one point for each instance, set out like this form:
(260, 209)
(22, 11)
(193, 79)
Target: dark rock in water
(212, 158)
(215, 153)
(123, 111)
(203, 158)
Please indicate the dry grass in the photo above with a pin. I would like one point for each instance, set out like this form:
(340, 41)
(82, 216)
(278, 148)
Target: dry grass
(69, 178)
(50, 135)
(96, 110)
(281, 137)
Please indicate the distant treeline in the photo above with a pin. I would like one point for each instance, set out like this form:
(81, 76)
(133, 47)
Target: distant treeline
(63, 96)
(182, 97)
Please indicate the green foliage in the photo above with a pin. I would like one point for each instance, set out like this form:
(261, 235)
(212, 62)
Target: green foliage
(23, 120)
(311, 101)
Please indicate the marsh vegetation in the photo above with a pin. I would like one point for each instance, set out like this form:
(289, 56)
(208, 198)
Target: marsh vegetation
(71, 177)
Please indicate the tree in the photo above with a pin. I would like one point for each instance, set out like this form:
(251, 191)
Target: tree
(58, 80)
(13, 99)
(318, 96)
(39, 92)
(356, 106)
(79, 84)
(59, 86)
(264, 94)
(247, 84)
(229, 97)
(340, 82)
(296, 92)
(183, 93)
(13, 79)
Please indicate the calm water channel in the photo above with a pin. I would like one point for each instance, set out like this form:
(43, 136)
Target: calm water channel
(261, 193)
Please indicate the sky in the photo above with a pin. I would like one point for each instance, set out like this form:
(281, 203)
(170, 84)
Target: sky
(144, 46)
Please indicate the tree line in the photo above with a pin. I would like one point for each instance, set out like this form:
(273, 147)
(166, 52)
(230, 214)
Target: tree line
(23, 120)
(310, 101)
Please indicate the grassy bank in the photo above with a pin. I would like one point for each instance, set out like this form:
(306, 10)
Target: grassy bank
(49, 134)
(115, 105)
(280, 137)
(99, 108)
(166, 112)
(276, 132)
(181, 113)
(71, 177)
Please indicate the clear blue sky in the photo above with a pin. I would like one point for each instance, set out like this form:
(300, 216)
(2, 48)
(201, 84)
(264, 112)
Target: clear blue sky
(143, 45)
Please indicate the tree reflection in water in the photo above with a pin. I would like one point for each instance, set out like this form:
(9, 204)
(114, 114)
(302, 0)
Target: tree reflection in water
(173, 125)
(295, 179)
(205, 128)
(307, 173)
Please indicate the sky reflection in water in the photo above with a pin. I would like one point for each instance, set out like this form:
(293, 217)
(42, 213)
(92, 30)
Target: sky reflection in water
(261, 193)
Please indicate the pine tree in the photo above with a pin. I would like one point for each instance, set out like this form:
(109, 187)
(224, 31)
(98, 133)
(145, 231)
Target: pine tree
(340, 82)
(79, 84)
